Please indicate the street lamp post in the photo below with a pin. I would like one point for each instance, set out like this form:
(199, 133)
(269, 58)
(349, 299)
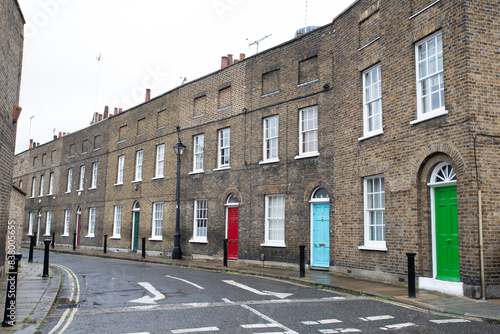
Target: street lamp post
(178, 149)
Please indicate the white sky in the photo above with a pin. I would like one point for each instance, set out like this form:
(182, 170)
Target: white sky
(143, 44)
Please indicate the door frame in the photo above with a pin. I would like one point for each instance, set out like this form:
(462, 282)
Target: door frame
(78, 225)
(227, 206)
(136, 209)
(313, 201)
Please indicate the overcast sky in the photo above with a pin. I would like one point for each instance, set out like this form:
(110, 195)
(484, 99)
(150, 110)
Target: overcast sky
(142, 44)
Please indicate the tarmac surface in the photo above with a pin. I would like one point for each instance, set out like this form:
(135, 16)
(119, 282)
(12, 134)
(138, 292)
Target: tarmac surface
(37, 294)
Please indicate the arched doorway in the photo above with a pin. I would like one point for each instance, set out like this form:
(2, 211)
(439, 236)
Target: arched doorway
(135, 226)
(232, 207)
(78, 225)
(320, 229)
(445, 242)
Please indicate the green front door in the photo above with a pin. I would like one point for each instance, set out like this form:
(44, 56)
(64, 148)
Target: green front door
(136, 231)
(447, 255)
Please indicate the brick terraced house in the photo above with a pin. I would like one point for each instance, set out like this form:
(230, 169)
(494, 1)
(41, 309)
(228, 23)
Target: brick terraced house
(365, 139)
(11, 58)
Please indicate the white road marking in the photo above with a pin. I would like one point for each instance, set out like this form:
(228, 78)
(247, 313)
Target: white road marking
(146, 299)
(310, 323)
(377, 317)
(195, 330)
(340, 330)
(186, 281)
(398, 326)
(447, 321)
(271, 321)
(139, 333)
(253, 326)
(258, 292)
(322, 322)
(227, 301)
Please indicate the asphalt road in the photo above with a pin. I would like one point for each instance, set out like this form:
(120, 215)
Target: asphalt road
(115, 296)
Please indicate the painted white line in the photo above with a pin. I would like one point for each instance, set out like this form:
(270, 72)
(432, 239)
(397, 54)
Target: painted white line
(146, 299)
(377, 317)
(253, 326)
(340, 330)
(310, 323)
(398, 326)
(186, 281)
(447, 321)
(227, 301)
(195, 330)
(139, 333)
(329, 321)
(258, 292)
(271, 321)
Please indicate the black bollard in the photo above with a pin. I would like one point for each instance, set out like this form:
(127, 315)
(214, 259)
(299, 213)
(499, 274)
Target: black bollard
(74, 241)
(32, 244)
(53, 240)
(46, 258)
(143, 248)
(411, 275)
(225, 252)
(9, 318)
(105, 243)
(302, 261)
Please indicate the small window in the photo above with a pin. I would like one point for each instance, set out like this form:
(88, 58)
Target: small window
(138, 165)
(121, 166)
(275, 220)
(160, 160)
(51, 184)
(67, 215)
(374, 205)
(271, 134)
(198, 152)
(157, 221)
(33, 186)
(117, 225)
(321, 194)
(372, 102)
(91, 231)
(200, 220)
(232, 199)
(42, 184)
(308, 128)
(82, 178)
(31, 219)
(443, 174)
(70, 180)
(48, 223)
(95, 167)
(224, 147)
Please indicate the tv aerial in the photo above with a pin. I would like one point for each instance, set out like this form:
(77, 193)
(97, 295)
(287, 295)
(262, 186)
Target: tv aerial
(258, 41)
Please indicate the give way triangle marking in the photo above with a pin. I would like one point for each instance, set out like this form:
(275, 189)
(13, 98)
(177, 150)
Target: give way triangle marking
(280, 295)
(147, 299)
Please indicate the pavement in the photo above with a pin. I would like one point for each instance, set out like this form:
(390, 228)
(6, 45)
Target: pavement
(37, 294)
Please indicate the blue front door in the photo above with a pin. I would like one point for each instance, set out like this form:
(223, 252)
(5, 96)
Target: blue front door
(321, 235)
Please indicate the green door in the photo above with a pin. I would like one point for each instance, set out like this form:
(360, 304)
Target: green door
(136, 231)
(447, 255)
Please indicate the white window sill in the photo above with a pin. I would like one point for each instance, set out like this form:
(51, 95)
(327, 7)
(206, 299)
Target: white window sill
(83, 153)
(118, 184)
(32, 197)
(158, 177)
(79, 189)
(225, 108)
(270, 94)
(222, 168)
(423, 118)
(122, 141)
(92, 188)
(373, 248)
(273, 245)
(371, 135)
(89, 236)
(116, 237)
(270, 161)
(48, 195)
(140, 135)
(96, 149)
(136, 181)
(306, 155)
(307, 83)
(198, 241)
(40, 196)
(196, 172)
(64, 235)
(67, 192)
(198, 116)
(156, 239)
(161, 127)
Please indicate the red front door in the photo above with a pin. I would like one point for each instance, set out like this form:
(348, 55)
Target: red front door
(232, 233)
(78, 225)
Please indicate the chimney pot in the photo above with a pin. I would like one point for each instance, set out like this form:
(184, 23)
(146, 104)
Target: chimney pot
(100, 117)
(148, 94)
(230, 59)
(116, 111)
(106, 112)
(31, 143)
(60, 134)
(120, 110)
(224, 62)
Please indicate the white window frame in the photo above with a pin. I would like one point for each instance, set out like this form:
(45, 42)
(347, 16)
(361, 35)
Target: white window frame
(33, 186)
(91, 231)
(139, 156)
(51, 184)
(160, 161)
(426, 62)
(371, 197)
(305, 132)
(274, 214)
(224, 148)
(372, 100)
(82, 178)
(121, 167)
(30, 228)
(270, 129)
(117, 222)
(198, 153)
(95, 169)
(42, 184)
(157, 225)
(67, 216)
(200, 227)
(48, 223)
(70, 180)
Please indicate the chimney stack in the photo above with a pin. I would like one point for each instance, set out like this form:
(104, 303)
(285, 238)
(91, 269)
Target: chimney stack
(148, 94)
(116, 111)
(120, 110)
(31, 143)
(100, 117)
(106, 112)
(60, 134)
(230, 59)
(224, 62)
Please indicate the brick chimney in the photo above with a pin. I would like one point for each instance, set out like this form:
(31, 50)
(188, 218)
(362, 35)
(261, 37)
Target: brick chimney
(31, 143)
(116, 111)
(224, 62)
(120, 110)
(230, 59)
(148, 94)
(106, 112)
